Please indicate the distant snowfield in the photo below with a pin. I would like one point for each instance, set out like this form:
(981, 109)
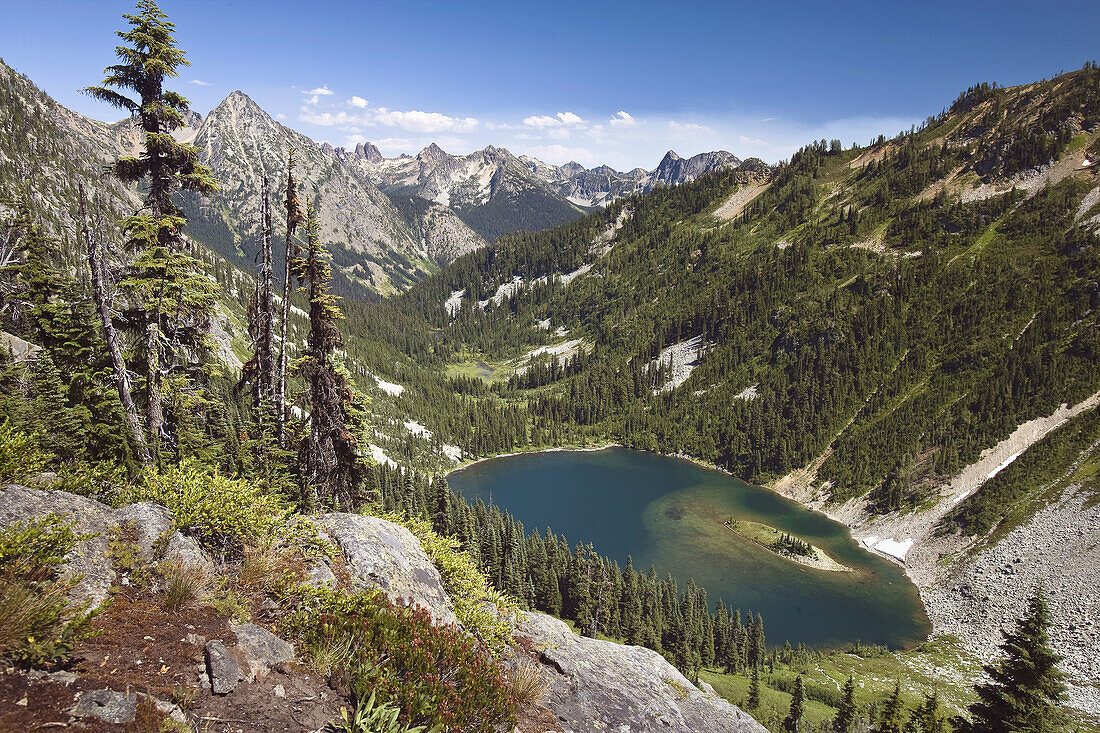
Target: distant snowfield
(994, 460)
(379, 456)
(389, 388)
(454, 303)
(889, 546)
(417, 429)
(567, 348)
(682, 358)
(453, 452)
(747, 394)
(505, 290)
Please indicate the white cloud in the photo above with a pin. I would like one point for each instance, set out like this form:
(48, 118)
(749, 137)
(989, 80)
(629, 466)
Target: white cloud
(559, 133)
(201, 83)
(280, 116)
(622, 119)
(546, 121)
(541, 121)
(745, 139)
(358, 102)
(324, 91)
(330, 119)
(417, 121)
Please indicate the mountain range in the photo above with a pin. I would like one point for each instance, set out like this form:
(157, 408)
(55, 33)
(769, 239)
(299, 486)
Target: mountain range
(387, 222)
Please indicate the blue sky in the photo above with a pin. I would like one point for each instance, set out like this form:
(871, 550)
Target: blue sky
(598, 82)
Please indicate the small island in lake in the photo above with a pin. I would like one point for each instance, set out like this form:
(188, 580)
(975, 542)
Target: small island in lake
(785, 545)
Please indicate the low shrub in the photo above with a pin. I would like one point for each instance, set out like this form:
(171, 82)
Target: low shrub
(104, 481)
(221, 513)
(434, 675)
(373, 717)
(474, 598)
(20, 454)
(37, 624)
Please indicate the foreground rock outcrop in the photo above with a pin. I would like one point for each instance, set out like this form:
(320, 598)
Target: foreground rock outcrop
(141, 525)
(240, 670)
(600, 685)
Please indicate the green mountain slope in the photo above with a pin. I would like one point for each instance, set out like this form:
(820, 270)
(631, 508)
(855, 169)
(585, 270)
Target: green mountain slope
(887, 311)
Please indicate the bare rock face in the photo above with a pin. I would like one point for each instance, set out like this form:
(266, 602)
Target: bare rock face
(107, 705)
(223, 670)
(262, 649)
(89, 559)
(596, 684)
(385, 556)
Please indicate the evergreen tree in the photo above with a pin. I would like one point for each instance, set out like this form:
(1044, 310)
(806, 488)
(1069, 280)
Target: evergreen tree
(754, 689)
(846, 712)
(294, 218)
(170, 290)
(794, 715)
(328, 466)
(926, 718)
(1025, 689)
(889, 719)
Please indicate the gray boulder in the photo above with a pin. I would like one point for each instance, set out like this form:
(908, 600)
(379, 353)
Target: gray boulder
(88, 560)
(223, 670)
(596, 684)
(383, 555)
(261, 648)
(107, 705)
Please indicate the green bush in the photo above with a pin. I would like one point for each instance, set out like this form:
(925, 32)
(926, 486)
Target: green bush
(374, 717)
(20, 454)
(36, 623)
(104, 481)
(465, 584)
(221, 513)
(434, 675)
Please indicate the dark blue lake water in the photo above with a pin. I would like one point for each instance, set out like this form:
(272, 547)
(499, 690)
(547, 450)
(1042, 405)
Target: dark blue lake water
(668, 513)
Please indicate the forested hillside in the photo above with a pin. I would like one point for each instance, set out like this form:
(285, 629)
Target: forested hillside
(888, 310)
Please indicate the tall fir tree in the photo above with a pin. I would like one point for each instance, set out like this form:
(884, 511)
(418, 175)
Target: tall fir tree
(845, 716)
(794, 716)
(889, 718)
(754, 689)
(328, 464)
(1025, 688)
(295, 217)
(170, 291)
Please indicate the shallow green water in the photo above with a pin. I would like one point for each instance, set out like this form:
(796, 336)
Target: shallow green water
(669, 512)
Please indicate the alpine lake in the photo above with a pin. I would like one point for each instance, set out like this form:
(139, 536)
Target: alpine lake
(671, 514)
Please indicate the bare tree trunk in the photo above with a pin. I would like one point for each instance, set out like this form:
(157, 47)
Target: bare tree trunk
(293, 219)
(267, 310)
(97, 265)
(154, 407)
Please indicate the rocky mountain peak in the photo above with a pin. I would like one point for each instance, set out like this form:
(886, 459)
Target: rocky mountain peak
(432, 154)
(369, 153)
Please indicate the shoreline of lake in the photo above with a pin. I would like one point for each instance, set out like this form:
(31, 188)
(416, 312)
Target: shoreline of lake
(850, 551)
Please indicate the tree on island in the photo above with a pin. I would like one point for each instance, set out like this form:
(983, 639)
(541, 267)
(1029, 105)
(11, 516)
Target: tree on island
(1025, 690)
